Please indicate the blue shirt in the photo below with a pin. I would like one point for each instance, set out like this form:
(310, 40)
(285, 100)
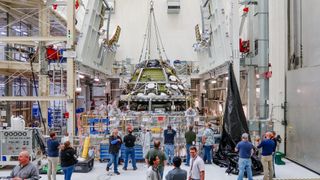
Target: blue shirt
(267, 146)
(53, 148)
(244, 148)
(169, 136)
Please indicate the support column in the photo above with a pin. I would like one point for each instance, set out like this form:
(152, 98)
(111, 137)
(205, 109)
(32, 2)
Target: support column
(263, 61)
(251, 92)
(8, 90)
(43, 85)
(202, 92)
(43, 82)
(235, 40)
(71, 70)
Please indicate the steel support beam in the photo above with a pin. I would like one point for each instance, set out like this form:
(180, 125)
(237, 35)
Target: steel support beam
(71, 70)
(43, 85)
(33, 98)
(18, 39)
(17, 66)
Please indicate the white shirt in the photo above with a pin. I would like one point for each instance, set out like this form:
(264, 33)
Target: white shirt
(146, 138)
(152, 175)
(64, 139)
(196, 167)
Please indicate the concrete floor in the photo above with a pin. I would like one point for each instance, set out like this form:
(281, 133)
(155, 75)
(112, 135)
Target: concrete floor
(290, 170)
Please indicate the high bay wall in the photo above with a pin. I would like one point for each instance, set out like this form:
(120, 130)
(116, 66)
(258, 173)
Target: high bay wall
(176, 30)
(297, 58)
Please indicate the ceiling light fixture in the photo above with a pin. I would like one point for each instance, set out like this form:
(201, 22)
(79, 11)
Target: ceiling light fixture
(213, 81)
(78, 89)
(96, 79)
(81, 76)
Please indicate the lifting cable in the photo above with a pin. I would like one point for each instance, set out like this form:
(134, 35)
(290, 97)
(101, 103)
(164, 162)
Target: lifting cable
(36, 89)
(158, 32)
(157, 35)
(144, 40)
(146, 46)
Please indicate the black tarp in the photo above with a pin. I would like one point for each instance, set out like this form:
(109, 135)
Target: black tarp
(234, 125)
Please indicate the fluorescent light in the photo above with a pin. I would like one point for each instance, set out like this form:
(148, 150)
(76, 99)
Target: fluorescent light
(18, 30)
(80, 76)
(78, 89)
(220, 108)
(227, 78)
(213, 81)
(96, 79)
(3, 33)
(25, 33)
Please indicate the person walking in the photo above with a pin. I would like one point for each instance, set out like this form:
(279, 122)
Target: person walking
(68, 160)
(114, 147)
(190, 137)
(153, 171)
(169, 135)
(177, 173)
(197, 169)
(245, 149)
(208, 142)
(53, 156)
(129, 141)
(267, 146)
(156, 152)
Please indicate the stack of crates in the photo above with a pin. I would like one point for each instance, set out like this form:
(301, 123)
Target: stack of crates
(99, 126)
(104, 152)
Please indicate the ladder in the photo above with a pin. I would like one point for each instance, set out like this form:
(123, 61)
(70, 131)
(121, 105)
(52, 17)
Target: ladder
(58, 89)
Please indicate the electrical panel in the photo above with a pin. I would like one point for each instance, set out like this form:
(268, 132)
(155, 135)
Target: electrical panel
(13, 142)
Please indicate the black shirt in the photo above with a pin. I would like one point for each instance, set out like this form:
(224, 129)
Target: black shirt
(114, 148)
(129, 140)
(169, 136)
(68, 157)
(275, 144)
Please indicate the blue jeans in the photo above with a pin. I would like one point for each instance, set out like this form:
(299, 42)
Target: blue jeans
(188, 154)
(130, 151)
(207, 154)
(114, 159)
(169, 151)
(244, 165)
(68, 172)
